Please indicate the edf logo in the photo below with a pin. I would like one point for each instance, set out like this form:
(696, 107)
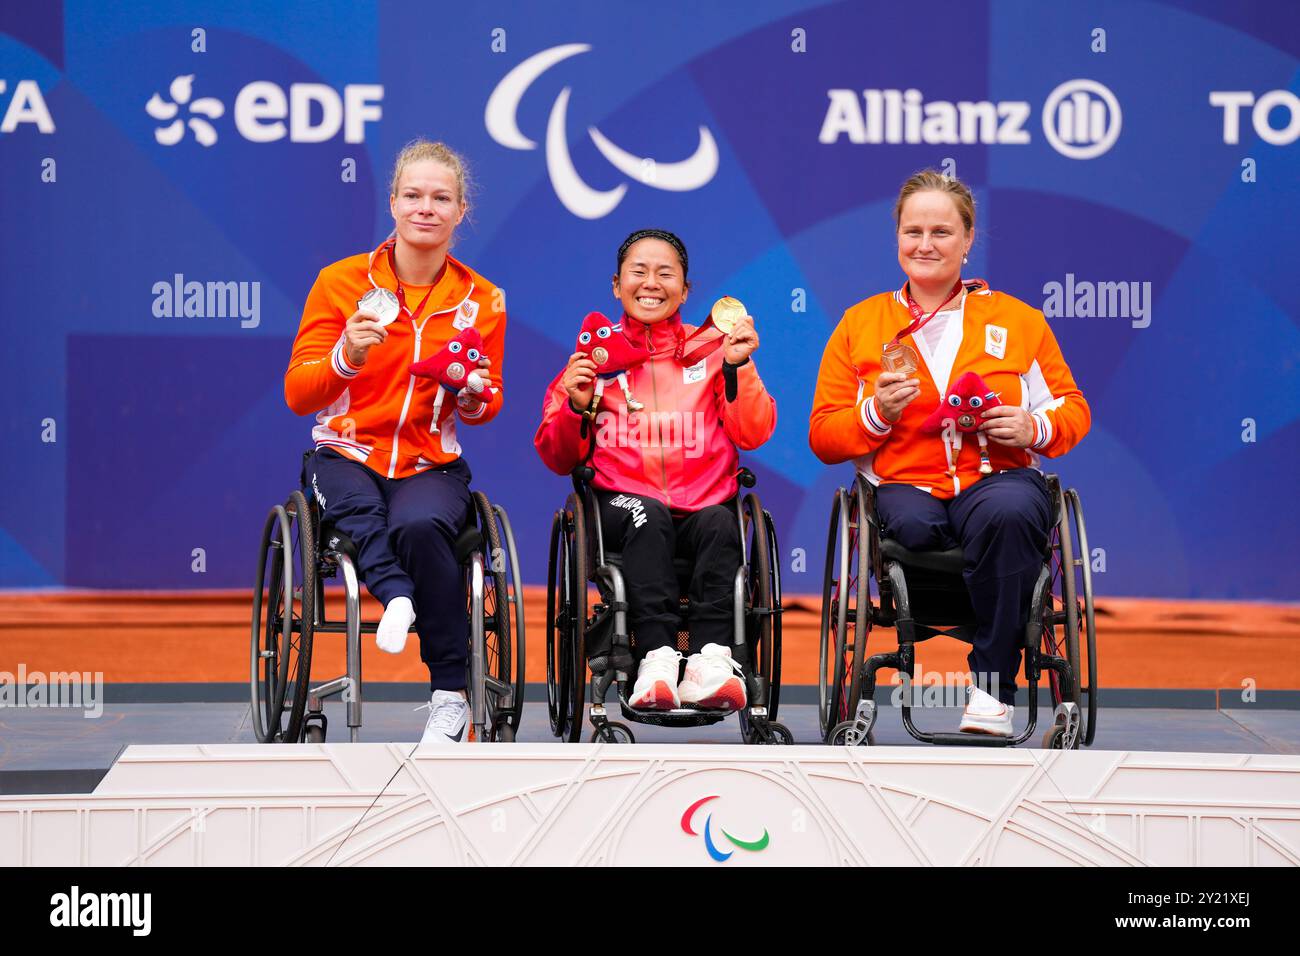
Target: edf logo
(1081, 119)
(261, 108)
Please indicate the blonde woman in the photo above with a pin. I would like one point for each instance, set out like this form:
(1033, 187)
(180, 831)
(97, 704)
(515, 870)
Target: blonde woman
(382, 473)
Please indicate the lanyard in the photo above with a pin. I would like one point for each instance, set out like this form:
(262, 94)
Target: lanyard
(919, 318)
(702, 351)
(388, 246)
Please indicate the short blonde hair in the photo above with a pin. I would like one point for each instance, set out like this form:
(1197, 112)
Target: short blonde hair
(931, 180)
(419, 150)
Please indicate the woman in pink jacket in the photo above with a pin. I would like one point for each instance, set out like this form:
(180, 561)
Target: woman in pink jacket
(666, 468)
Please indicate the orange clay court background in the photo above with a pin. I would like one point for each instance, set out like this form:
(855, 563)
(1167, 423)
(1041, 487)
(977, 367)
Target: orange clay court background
(202, 636)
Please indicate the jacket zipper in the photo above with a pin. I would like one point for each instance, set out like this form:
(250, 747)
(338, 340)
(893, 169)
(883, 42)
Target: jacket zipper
(410, 387)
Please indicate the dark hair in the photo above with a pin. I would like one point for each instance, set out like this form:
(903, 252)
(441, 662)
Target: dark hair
(666, 236)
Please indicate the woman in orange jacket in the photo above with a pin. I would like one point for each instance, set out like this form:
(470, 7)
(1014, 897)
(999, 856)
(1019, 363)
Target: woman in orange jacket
(665, 453)
(952, 436)
(388, 470)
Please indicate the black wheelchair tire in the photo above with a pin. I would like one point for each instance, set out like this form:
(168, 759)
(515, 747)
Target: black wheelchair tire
(576, 658)
(556, 606)
(497, 630)
(759, 629)
(834, 623)
(1089, 622)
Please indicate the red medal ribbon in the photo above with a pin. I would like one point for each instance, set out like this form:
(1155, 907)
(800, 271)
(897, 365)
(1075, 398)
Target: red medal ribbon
(919, 318)
(401, 293)
(704, 350)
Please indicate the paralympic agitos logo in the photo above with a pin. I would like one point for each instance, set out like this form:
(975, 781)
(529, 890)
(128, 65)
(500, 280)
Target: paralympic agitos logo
(752, 846)
(580, 199)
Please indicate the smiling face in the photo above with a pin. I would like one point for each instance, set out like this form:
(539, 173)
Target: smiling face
(427, 206)
(651, 283)
(932, 239)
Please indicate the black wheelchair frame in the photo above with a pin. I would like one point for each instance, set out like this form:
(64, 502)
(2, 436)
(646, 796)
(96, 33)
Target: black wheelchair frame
(297, 554)
(923, 595)
(757, 632)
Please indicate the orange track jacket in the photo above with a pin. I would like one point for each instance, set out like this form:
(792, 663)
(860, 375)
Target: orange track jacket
(1005, 341)
(380, 414)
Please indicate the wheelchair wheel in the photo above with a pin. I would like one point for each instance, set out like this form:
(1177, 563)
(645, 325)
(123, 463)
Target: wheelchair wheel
(566, 619)
(774, 691)
(845, 617)
(282, 624)
(504, 658)
(1061, 609)
(1088, 621)
(762, 632)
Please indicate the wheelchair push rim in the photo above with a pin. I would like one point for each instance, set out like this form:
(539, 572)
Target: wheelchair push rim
(502, 636)
(282, 622)
(841, 650)
(762, 607)
(1060, 631)
(566, 618)
(1088, 620)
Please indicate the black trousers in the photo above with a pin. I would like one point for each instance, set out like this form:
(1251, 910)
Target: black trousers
(1001, 524)
(649, 536)
(404, 529)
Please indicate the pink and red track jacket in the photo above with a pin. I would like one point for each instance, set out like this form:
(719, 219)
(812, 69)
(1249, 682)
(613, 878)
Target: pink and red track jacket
(682, 449)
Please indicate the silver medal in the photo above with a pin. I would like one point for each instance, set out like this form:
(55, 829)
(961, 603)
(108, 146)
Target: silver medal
(382, 304)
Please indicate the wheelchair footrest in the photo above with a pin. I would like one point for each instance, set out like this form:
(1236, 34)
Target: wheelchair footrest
(971, 740)
(680, 717)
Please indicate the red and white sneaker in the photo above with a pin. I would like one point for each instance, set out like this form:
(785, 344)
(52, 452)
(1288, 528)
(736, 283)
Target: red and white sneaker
(713, 681)
(656, 680)
(986, 714)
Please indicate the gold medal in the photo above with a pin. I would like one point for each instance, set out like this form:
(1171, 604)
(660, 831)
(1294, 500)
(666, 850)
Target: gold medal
(727, 312)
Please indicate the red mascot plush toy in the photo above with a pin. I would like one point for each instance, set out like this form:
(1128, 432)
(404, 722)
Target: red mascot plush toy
(959, 414)
(607, 346)
(454, 367)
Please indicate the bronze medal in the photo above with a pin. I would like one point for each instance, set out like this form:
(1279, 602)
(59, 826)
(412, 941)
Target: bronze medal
(898, 357)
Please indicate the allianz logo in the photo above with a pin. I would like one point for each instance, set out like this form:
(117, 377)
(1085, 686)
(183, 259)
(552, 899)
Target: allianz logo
(1081, 119)
(264, 113)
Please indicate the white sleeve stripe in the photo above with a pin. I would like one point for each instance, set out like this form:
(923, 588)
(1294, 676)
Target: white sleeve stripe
(340, 362)
(871, 421)
(482, 407)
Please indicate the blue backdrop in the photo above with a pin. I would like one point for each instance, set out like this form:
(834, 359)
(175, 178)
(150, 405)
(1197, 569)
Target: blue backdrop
(133, 436)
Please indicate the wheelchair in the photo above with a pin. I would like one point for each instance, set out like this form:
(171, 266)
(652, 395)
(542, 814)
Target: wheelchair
(298, 553)
(578, 556)
(923, 595)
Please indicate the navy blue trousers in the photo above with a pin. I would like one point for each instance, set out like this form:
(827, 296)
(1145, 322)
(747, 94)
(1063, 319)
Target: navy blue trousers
(404, 529)
(1001, 524)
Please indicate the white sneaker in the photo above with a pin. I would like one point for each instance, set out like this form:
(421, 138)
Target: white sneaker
(448, 719)
(656, 680)
(713, 681)
(986, 714)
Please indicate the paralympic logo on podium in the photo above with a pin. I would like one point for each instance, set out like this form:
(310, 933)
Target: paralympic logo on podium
(752, 846)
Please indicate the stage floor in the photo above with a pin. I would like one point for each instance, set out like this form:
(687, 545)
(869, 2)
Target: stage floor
(60, 751)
